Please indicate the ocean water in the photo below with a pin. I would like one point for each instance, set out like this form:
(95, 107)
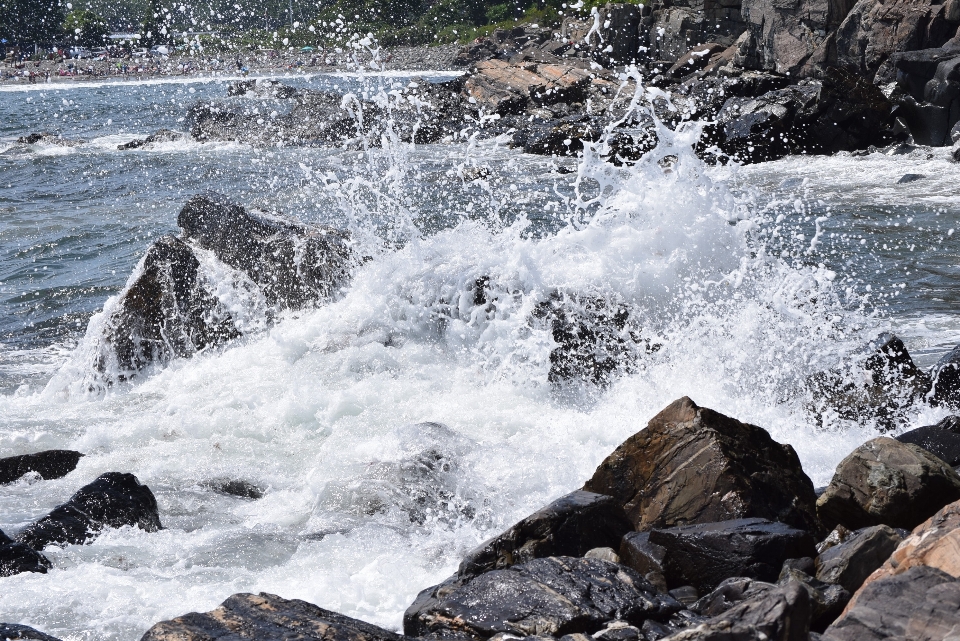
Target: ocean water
(397, 427)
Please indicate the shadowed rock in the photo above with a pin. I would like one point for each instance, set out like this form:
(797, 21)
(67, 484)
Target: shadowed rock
(694, 465)
(266, 617)
(552, 596)
(49, 464)
(885, 482)
(851, 562)
(113, 500)
(17, 557)
(570, 526)
(12, 631)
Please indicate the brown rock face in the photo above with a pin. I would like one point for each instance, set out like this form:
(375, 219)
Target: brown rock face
(265, 617)
(694, 465)
(505, 88)
(885, 482)
(934, 543)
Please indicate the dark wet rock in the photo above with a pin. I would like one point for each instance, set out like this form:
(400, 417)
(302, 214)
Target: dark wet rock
(703, 555)
(777, 614)
(236, 487)
(168, 311)
(163, 135)
(621, 27)
(945, 376)
(877, 385)
(570, 526)
(17, 557)
(113, 500)
(929, 80)
(596, 338)
(933, 543)
(942, 440)
(838, 112)
(921, 604)
(47, 139)
(637, 552)
(49, 464)
(685, 594)
(293, 264)
(805, 564)
(885, 482)
(827, 600)
(266, 617)
(728, 593)
(552, 596)
(850, 563)
(13, 632)
(872, 31)
(695, 465)
(261, 87)
(909, 178)
(695, 59)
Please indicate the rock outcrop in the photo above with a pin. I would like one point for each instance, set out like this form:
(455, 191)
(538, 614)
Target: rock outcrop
(266, 617)
(49, 464)
(113, 500)
(553, 596)
(17, 557)
(885, 482)
(570, 526)
(945, 375)
(694, 465)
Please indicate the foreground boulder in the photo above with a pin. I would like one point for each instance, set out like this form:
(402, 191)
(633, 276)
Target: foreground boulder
(850, 563)
(942, 440)
(113, 500)
(885, 482)
(778, 614)
(17, 557)
(694, 465)
(13, 631)
(920, 604)
(552, 596)
(704, 555)
(49, 464)
(570, 526)
(265, 617)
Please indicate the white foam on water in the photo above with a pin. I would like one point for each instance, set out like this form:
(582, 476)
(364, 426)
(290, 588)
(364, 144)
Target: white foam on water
(364, 507)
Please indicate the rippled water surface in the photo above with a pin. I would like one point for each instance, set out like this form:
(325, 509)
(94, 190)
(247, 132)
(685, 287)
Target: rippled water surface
(750, 279)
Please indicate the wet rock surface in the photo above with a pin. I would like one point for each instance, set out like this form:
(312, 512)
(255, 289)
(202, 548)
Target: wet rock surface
(885, 482)
(570, 526)
(553, 596)
(266, 617)
(706, 554)
(113, 500)
(851, 562)
(17, 557)
(694, 465)
(163, 135)
(13, 631)
(49, 464)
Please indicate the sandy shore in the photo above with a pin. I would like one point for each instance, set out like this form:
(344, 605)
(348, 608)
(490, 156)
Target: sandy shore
(261, 62)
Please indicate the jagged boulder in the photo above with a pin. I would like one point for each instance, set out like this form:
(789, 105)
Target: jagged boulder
(851, 562)
(694, 465)
(17, 557)
(266, 617)
(885, 482)
(920, 604)
(704, 555)
(49, 464)
(570, 526)
(945, 379)
(113, 500)
(552, 596)
(942, 440)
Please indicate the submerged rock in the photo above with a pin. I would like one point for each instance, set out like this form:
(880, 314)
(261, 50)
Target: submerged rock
(49, 464)
(704, 555)
(266, 617)
(113, 500)
(12, 632)
(163, 135)
(572, 525)
(17, 557)
(694, 465)
(552, 596)
(942, 440)
(885, 482)
(236, 487)
(920, 604)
